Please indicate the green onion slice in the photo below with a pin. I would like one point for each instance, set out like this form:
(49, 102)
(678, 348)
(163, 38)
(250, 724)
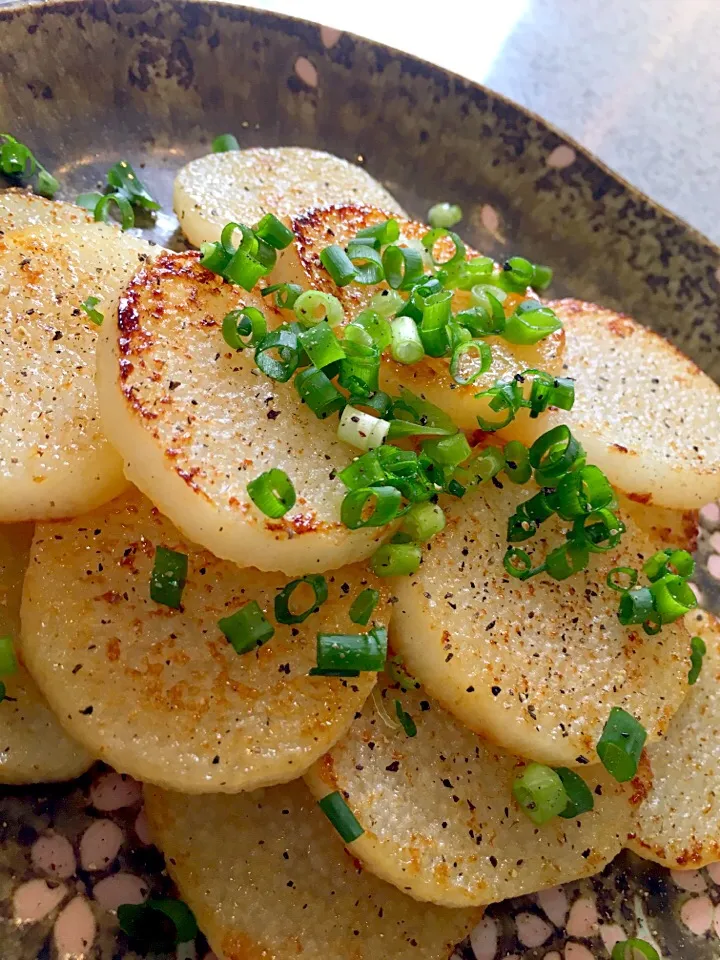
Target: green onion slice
(672, 597)
(93, 315)
(600, 530)
(319, 392)
(380, 234)
(286, 294)
(17, 160)
(517, 563)
(540, 793)
(274, 232)
(568, 559)
(247, 628)
(583, 492)
(621, 745)
(369, 327)
(517, 462)
(669, 561)
(616, 576)
(635, 606)
(8, 660)
(697, 652)
(244, 327)
(338, 265)
(3, 691)
(444, 215)
(352, 651)
(580, 797)
(167, 580)
(102, 210)
(503, 398)
(159, 924)
(321, 345)
(423, 521)
(362, 430)
(382, 502)
(448, 451)
(469, 361)
(341, 817)
(278, 354)
(530, 323)
(367, 263)
(123, 179)
(406, 346)
(438, 233)
(396, 559)
(319, 587)
(363, 606)
(406, 721)
(402, 266)
(225, 143)
(273, 493)
(634, 949)
(313, 306)
(399, 674)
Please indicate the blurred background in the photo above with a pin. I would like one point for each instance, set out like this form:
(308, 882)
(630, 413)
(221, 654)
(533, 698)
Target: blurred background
(635, 81)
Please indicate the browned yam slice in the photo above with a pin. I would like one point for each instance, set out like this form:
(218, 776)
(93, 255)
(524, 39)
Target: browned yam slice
(20, 209)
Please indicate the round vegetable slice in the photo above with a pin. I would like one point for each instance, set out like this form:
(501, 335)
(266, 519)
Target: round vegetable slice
(243, 185)
(159, 691)
(54, 458)
(644, 412)
(197, 438)
(27, 725)
(265, 870)
(438, 812)
(534, 665)
(20, 209)
(431, 377)
(678, 823)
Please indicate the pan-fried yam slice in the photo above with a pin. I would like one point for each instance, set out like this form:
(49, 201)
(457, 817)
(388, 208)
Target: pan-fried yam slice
(533, 665)
(33, 746)
(160, 693)
(196, 421)
(663, 526)
(243, 185)
(316, 229)
(437, 809)
(20, 209)
(644, 412)
(54, 458)
(267, 876)
(678, 824)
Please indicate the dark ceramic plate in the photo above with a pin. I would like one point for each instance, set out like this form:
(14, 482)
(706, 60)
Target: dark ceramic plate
(87, 83)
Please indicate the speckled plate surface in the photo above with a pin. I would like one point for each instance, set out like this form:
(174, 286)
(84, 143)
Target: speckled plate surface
(88, 82)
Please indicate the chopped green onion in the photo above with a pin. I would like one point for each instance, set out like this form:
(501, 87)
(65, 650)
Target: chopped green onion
(363, 606)
(365, 652)
(88, 201)
(600, 530)
(374, 328)
(272, 493)
(540, 793)
(448, 451)
(398, 673)
(245, 270)
(367, 263)
(422, 411)
(487, 315)
(247, 628)
(363, 472)
(274, 232)
(634, 949)
(520, 527)
(517, 462)
(396, 559)
(635, 606)
(362, 430)
(8, 660)
(530, 323)
(158, 924)
(360, 368)
(167, 580)
(615, 583)
(423, 521)
(672, 598)
(669, 561)
(517, 563)
(438, 233)
(286, 294)
(518, 274)
(386, 303)
(403, 266)
(553, 454)
(338, 265)
(697, 652)
(481, 361)
(317, 582)
(582, 492)
(283, 341)
(225, 143)
(93, 315)
(435, 317)
(17, 160)
(313, 306)
(542, 277)
(321, 345)
(385, 503)
(102, 210)
(380, 234)
(444, 215)
(503, 397)
(244, 327)
(126, 183)
(540, 507)
(344, 674)
(580, 798)
(621, 745)
(405, 344)
(469, 273)
(406, 721)
(570, 558)
(484, 465)
(408, 428)
(341, 817)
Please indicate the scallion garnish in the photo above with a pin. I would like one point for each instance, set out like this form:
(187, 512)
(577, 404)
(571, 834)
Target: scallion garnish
(341, 817)
(406, 721)
(362, 430)
(93, 315)
(124, 207)
(244, 327)
(530, 323)
(634, 949)
(225, 143)
(517, 563)
(396, 559)
(167, 580)
(363, 606)
(672, 597)
(569, 558)
(540, 793)
(247, 628)
(277, 354)
(318, 585)
(402, 266)
(158, 924)
(697, 652)
(8, 660)
(272, 493)
(321, 345)
(479, 355)
(405, 343)
(380, 234)
(614, 581)
(387, 303)
(517, 462)
(370, 507)
(366, 652)
(17, 161)
(286, 294)
(369, 327)
(432, 237)
(621, 744)
(367, 263)
(318, 392)
(338, 265)
(423, 521)
(444, 215)
(669, 561)
(125, 182)
(313, 306)
(274, 232)
(580, 798)
(518, 274)
(504, 399)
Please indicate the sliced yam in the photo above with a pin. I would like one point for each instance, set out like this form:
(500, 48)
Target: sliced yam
(159, 693)
(430, 378)
(267, 877)
(196, 421)
(33, 746)
(535, 666)
(663, 526)
(20, 209)
(243, 185)
(645, 413)
(437, 808)
(678, 824)
(54, 458)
